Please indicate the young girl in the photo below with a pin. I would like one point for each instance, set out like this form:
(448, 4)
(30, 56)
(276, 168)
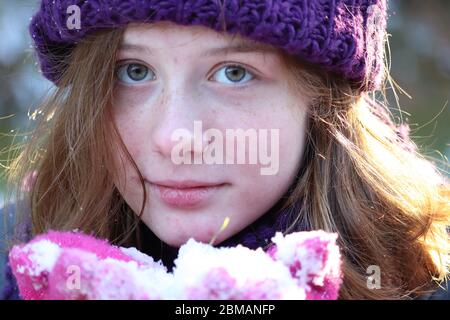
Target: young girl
(129, 74)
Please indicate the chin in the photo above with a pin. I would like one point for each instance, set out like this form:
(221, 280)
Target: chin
(177, 234)
(177, 239)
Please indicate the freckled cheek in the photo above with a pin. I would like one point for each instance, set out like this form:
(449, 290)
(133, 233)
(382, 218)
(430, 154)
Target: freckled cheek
(133, 126)
(126, 97)
(133, 143)
(292, 146)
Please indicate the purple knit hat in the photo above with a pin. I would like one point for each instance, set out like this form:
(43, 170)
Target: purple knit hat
(345, 37)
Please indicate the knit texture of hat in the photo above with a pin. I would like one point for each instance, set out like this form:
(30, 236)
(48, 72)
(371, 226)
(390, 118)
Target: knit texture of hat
(345, 37)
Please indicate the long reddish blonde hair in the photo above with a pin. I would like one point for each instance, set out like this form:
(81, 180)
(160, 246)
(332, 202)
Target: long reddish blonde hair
(389, 205)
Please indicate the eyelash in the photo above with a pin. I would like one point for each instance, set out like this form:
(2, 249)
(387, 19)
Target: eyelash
(123, 63)
(254, 74)
(236, 64)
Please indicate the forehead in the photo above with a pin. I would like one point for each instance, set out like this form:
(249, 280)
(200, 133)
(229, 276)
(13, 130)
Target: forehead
(168, 35)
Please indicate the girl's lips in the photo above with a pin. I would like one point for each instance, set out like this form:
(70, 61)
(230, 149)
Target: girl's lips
(186, 194)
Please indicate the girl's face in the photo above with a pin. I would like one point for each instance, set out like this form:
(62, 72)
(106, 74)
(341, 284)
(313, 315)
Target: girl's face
(170, 76)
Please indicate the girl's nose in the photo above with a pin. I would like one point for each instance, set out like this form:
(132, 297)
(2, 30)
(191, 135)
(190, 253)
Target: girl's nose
(181, 118)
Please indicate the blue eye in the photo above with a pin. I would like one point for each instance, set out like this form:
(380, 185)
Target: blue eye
(233, 74)
(134, 73)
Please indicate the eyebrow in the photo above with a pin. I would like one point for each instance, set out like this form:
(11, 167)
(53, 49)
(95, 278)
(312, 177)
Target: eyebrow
(239, 47)
(134, 47)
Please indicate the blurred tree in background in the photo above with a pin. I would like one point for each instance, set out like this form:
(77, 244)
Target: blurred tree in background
(420, 56)
(21, 86)
(420, 52)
